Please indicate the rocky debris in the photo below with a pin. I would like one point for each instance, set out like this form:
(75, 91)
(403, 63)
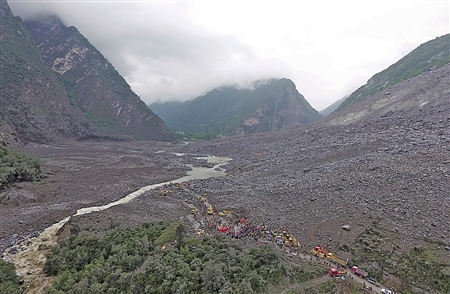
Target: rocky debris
(392, 167)
(81, 175)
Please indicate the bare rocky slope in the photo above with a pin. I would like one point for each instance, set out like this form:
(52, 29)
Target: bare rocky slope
(433, 53)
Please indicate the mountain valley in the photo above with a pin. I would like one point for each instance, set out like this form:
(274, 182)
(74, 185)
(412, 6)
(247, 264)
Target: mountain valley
(385, 175)
(368, 182)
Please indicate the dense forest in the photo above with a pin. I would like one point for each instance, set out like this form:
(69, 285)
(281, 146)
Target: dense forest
(153, 258)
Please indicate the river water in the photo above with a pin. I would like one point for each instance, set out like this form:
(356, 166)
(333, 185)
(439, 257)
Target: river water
(30, 259)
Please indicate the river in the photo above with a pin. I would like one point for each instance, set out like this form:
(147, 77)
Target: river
(30, 257)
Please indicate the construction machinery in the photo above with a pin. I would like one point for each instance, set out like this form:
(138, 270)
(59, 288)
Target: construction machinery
(289, 240)
(281, 238)
(200, 232)
(336, 259)
(225, 212)
(323, 253)
(319, 251)
(337, 273)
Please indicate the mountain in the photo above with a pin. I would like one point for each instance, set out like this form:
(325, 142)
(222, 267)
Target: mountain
(34, 104)
(431, 54)
(431, 88)
(64, 89)
(380, 166)
(270, 106)
(332, 107)
(163, 109)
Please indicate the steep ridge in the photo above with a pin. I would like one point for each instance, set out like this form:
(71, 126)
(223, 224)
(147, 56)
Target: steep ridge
(431, 54)
(93, 83)
(34, 103)
(65, 89)
(270, 106)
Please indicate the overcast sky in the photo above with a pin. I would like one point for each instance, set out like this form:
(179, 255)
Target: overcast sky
(181, 50)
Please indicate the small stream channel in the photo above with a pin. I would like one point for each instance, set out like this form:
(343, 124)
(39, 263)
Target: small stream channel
(30, 257)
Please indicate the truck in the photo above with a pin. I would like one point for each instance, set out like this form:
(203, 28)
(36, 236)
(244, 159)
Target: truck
(319, 251)
(359, 272)
(337, 273)
(337, 259)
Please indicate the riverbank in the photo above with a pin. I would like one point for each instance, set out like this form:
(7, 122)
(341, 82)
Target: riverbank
(28, 254)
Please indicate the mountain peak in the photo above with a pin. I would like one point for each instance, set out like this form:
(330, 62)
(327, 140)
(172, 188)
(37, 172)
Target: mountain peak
(268, 106)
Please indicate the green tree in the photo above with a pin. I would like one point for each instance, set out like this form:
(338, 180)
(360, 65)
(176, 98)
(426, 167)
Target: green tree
(9, 281)
(212, 278)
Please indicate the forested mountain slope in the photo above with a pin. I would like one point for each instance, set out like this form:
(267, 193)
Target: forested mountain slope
(270, 106)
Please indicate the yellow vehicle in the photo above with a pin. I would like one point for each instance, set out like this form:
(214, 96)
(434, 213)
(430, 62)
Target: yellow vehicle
(194, 211)
(336, 259)
(225, 212)
(319, 251)
(210, 209)
(295, 242)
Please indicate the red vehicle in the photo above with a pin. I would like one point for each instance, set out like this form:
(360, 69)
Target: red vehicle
(336, 273)
(359, 272)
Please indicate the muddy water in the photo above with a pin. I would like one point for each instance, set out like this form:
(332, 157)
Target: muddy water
(30, 257)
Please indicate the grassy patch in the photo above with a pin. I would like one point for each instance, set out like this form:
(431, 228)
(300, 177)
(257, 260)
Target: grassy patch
(424, 265)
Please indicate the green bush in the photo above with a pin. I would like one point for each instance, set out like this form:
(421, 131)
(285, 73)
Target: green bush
(16, 166)
(9, 281)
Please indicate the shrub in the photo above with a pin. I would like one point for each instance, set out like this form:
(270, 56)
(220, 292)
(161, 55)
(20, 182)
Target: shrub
(16, 166)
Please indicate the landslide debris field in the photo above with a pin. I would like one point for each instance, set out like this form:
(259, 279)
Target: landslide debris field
(386, 176)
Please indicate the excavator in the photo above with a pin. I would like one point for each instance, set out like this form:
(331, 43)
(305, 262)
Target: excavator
(225, 212)
(210, 210)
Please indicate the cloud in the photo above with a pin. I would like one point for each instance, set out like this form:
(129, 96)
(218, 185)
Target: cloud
(181, 50)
